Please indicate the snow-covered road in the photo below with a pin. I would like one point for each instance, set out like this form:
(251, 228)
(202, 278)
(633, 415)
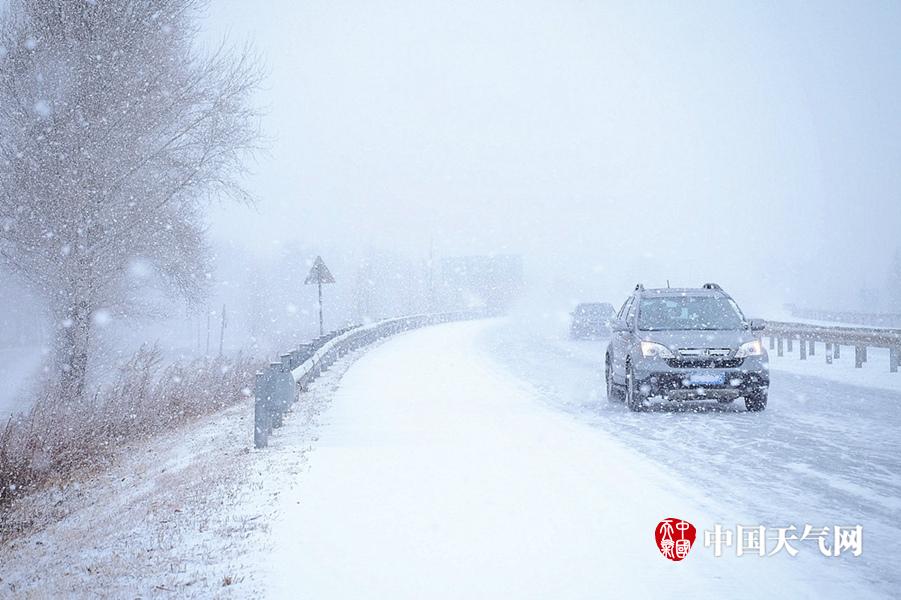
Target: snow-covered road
(443, 469)
(822, 453)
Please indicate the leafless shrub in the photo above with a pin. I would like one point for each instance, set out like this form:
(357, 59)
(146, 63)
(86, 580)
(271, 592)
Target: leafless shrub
(58, 437)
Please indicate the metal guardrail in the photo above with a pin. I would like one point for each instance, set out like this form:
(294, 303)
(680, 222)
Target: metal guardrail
(277, 386)
(782, 336)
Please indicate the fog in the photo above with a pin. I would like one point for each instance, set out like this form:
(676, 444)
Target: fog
(756, 145)
(753, 144)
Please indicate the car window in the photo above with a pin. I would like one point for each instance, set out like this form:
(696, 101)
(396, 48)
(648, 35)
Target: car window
(689, 313)
(623, 311)
(630, 315)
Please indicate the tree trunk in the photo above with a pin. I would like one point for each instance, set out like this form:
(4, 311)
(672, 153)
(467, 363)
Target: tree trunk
(72, 336)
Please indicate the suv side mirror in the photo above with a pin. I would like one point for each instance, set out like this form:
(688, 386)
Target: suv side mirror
(619, 325)
(757, 324)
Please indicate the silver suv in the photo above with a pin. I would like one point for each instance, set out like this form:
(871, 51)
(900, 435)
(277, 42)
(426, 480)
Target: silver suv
(686, 344)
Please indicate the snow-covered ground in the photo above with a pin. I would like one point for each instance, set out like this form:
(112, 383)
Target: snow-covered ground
(175, 516)
(478, 460)
(186, 515)
(439, 472)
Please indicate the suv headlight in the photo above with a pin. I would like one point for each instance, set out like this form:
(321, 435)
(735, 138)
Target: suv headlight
(655, 350)
(752, 348)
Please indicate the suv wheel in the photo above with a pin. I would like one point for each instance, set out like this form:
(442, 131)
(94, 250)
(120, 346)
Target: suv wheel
(633, 399)
(756, 402)
(614, 392)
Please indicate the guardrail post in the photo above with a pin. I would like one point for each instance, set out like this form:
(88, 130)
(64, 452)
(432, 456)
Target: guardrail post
(828, 353)
(772, 342)
(858, 357)
(788, 343)
(813, 348)
(287, 393)
(837, 353)
(802, 349)
(864, 353)
(275, 401)
(779, 349)
(894, 358)
(260, 412)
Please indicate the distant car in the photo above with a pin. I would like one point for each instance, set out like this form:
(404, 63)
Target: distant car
(686, 344)
(591, 319)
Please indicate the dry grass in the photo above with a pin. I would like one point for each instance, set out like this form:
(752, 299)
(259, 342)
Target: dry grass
(52, 441)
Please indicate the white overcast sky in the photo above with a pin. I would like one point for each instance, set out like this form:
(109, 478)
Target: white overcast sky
(754, 143)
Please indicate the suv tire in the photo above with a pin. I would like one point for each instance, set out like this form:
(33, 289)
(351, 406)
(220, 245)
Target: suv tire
(615, 393)
(756, 402)
(633, 399)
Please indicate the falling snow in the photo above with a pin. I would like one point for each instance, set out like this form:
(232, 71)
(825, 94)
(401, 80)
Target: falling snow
(166, 188)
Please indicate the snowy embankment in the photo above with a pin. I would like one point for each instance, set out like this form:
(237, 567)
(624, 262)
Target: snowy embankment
(174, 514)
(184, 515)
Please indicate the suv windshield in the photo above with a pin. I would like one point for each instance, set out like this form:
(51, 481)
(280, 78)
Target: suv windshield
(688, 313)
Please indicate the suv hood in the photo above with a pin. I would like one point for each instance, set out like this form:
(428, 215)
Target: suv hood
(731, 338)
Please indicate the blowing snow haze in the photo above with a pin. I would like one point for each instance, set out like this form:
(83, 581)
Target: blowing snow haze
(337, 299)
(754, 144)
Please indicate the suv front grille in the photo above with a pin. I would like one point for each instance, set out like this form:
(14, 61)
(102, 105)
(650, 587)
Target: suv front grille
(706, 363)
(709, 358)
(704, 352)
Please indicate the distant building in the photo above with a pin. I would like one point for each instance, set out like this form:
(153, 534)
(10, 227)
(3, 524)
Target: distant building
(493, 281)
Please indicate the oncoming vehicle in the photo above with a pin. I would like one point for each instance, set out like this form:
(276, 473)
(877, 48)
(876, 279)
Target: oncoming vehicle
(590, 319)
(686, 344)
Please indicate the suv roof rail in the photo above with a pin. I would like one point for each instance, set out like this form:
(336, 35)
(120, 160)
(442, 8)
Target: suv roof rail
(712, 286)
(639, 287)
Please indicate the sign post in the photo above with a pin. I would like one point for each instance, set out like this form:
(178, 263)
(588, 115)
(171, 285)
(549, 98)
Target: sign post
(319, 274)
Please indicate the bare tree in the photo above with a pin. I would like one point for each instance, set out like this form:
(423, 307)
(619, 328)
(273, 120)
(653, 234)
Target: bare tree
(114, 129)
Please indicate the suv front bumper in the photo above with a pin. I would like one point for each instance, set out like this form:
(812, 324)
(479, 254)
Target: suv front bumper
(656, 378)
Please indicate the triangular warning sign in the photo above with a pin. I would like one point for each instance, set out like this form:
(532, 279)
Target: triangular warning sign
(319, 273)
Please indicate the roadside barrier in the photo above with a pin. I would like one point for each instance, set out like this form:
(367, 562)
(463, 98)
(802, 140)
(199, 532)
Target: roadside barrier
(277, 387)
(783, 335)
